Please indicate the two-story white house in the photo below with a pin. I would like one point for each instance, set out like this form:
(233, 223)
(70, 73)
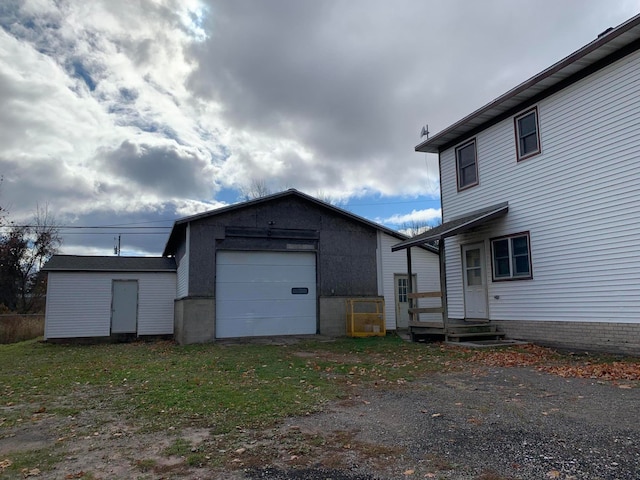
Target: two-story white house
(541, 202)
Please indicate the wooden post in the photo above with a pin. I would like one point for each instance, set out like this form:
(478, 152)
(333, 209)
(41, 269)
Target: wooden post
(443, 283)
(409, 280)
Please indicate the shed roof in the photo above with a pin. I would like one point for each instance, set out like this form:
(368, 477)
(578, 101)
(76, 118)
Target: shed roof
(80, 263)
(456, 226)
(180, 224)
(608, 47)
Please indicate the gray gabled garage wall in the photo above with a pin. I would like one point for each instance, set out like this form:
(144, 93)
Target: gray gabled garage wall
(346, 248)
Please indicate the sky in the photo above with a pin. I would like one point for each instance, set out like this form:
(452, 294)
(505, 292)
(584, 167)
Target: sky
(133, 113)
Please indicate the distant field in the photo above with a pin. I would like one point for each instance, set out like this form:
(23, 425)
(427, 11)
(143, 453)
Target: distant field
(17, 328)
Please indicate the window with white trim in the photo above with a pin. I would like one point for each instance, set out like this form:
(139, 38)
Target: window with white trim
(467, 165)
(527, 134)
(511, 257)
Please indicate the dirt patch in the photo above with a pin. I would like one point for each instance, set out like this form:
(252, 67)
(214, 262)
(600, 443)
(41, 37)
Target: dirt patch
(487, 422)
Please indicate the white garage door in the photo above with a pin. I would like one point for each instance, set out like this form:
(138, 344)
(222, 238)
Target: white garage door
(265, 293)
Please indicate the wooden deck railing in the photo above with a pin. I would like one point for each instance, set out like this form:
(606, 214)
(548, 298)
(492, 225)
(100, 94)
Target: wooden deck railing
(415, 312)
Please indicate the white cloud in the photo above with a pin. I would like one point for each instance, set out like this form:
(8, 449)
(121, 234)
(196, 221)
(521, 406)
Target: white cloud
(428, 216)
(115, 110)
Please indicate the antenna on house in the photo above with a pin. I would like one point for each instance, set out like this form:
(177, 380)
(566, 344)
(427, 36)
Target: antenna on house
(116, 245)
(425, 131)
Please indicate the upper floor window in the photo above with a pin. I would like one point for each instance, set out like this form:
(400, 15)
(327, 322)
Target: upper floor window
(467, 165)
(511, 257)
(527, 134)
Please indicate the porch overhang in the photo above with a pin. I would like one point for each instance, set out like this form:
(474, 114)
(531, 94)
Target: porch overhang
(455, 226)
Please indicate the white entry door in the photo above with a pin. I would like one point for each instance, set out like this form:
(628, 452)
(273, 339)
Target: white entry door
(402, 299)
(124, 306)
(265, 293)
(475, 281)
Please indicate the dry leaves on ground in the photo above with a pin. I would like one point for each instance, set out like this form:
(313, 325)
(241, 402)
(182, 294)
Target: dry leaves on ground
(548, 361)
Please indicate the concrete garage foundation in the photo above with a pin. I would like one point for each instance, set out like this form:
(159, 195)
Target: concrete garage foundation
(195, 320)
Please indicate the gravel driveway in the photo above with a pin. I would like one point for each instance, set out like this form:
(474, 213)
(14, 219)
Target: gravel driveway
(488, 423)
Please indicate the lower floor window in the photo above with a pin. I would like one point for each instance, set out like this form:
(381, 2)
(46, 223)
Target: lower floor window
(511, 257)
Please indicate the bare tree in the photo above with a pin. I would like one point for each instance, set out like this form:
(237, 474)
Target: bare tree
(255, 189)
(414, 227)
(23, 252)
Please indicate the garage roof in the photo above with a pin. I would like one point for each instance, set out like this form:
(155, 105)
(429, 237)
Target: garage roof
(611, 45)
(77, 263)
(180, 225)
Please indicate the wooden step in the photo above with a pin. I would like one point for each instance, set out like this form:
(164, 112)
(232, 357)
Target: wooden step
(479, 328)
(456, 337)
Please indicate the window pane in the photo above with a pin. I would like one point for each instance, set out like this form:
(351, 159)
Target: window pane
(501, 267)
(474, 276)
(527, 124)
(521, 266)
(468, 175)
(467, 155)
(520, 246)
(527, 127)
(402, 290)
(501, 248)
(528, 144)
(473, 258)
(466, 159)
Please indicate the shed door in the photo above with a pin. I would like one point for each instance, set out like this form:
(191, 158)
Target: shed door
(475, 285)
(265, 293)
(124, 306)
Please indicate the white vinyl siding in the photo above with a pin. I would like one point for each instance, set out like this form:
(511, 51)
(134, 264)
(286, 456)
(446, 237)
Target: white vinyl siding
(183, 268)
(425, 266)
(579, 199)
(183, 277)
(79, 303)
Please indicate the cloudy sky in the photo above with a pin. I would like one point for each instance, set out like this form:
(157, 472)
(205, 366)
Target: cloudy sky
(121, 112)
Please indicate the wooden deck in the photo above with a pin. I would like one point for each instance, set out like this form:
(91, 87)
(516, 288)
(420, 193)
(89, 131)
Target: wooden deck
(449, 330)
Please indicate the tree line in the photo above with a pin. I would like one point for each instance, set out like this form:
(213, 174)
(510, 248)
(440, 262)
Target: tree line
(24, 249)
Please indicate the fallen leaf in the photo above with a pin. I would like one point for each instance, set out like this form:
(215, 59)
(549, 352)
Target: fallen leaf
(553, 474)
(5, 463)
(409, 472)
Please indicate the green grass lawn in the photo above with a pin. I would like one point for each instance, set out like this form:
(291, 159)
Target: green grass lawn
(159, 385)
(163, 389)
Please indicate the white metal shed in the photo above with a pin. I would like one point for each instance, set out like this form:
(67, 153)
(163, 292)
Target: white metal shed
(104, 296)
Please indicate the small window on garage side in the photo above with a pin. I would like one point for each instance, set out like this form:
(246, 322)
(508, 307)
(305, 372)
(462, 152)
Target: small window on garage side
(511, 257)
(527, 134)
(467, 165)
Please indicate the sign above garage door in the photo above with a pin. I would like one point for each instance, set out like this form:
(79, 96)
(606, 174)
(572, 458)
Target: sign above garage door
(265, 293)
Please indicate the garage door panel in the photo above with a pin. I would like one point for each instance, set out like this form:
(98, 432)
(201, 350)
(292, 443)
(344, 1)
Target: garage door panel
(265, 293)
(264, 273)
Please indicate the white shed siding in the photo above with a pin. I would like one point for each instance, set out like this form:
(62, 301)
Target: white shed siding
(183, 277)
(579, 199)
(424, 264)
(183, 269)
(156, 292)
(79, 303)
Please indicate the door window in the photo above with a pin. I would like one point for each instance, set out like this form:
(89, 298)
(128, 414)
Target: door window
(473, 267)
(402, 290)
